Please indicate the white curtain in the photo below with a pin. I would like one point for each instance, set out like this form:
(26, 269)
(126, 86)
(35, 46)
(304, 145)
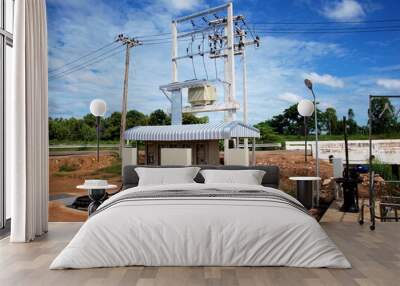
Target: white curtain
(27, 124)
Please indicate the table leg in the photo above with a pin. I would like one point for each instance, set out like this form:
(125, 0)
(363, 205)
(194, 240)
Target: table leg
(305, 193)
(97, 196)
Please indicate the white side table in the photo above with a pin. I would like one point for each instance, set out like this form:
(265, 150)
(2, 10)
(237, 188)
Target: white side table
(305, 190)
(96, 193)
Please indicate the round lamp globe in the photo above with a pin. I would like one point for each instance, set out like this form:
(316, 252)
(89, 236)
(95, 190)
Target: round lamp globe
(98, 107)
(305, 107)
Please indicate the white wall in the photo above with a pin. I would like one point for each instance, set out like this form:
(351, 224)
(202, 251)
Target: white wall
(176, 156)
(387, 151)
(237, 157)
(129, 156)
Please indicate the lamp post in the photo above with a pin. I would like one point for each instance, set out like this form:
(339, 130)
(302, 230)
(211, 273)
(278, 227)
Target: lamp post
(98, 108)
(305, 109)
(309, 85)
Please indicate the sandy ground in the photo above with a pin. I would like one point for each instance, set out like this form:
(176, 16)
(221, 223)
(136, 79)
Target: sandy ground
(292, 163)
(63, 184)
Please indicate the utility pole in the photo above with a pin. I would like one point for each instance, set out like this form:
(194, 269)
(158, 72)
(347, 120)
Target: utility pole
(242, 50)
(129, 43)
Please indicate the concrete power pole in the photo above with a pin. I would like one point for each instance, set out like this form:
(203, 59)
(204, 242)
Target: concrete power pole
(129, 43)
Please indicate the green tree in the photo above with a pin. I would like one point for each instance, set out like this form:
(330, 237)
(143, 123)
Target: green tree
(350, 114)
(90, 120)
(159, 117)
(288, 123)
(58, 131)
(331, 120)
(88, 133)
(267, 133)
(135, 118)
(383, 117)
(110, 127)
(189, 118)
(352, 127)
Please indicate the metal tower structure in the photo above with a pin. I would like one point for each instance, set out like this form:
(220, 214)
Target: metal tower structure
(225, 35)
(226, 38)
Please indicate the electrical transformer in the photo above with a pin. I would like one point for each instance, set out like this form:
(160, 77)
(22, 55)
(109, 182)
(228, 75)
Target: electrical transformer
(202, 95)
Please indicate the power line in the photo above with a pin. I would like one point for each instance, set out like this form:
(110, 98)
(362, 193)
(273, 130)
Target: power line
(82, 57)
(81, 67)
(332, 29)
(85, 62)
(264, 32)
(328, 22)
(154, 35)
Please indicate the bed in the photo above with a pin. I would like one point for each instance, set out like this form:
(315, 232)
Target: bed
(201, 224)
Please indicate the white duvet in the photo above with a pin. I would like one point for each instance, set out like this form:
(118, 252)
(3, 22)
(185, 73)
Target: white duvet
(200, 231)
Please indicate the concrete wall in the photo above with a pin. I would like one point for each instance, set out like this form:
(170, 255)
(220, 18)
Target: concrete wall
(129, 156)
(387, 151)
(176, 156)
(237, 157)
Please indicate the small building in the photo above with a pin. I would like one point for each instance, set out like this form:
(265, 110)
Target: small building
(192, 144)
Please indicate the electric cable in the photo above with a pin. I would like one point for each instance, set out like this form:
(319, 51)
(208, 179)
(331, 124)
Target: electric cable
(82, 57)
(329, 22)
(191, 57)
(202, 55)
(265, 32)
(85, 62)
(78, 68)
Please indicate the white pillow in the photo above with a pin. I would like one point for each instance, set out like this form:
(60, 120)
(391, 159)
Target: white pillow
(166, 176)
(248, 177)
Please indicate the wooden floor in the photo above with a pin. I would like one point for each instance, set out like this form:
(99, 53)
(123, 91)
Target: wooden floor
(375, 257)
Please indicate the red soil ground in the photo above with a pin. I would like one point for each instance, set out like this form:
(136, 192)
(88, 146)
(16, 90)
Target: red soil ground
(86, 167)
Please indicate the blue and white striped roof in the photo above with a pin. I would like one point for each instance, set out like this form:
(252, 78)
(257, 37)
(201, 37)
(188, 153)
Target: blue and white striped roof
(208, 131)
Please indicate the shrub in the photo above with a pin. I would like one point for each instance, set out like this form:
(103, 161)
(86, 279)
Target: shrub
(68, 167)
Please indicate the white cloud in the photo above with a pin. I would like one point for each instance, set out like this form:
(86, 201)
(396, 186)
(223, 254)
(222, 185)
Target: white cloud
(325, 79)
(389, 83)
(344, 10)
(387, 68)
(290, 97)
(324, 105)
(183, 5)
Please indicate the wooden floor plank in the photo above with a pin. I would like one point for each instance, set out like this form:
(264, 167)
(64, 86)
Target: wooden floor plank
(375, 257)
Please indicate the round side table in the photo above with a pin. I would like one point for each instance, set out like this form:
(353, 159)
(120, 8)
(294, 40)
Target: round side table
(97, 194)
(305, 190)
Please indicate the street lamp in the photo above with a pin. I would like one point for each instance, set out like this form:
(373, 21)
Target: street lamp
(309, 85)
(305, 109)
(98, 108)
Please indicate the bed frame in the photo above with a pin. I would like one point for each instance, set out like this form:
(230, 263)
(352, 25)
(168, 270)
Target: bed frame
(130, 178)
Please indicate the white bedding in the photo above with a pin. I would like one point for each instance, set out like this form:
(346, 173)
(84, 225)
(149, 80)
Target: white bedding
(200, 231)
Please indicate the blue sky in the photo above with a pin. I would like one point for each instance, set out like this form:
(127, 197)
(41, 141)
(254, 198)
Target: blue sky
(345, 68)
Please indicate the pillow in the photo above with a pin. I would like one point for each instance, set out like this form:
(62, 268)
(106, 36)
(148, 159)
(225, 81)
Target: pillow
(248, 177)
(166, 176)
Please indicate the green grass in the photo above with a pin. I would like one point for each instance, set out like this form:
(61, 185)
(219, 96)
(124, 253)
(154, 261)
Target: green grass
(68, 168)
(114, 169)
(79, 142)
